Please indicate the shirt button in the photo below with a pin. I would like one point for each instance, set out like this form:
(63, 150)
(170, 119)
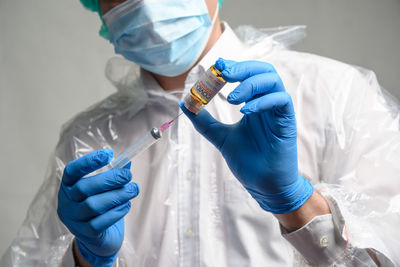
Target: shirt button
(189, 232)
(190, 175)
(324, 241)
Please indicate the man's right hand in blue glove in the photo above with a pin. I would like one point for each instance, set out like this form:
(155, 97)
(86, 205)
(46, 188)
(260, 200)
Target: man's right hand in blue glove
(93, 208)
(261, 149)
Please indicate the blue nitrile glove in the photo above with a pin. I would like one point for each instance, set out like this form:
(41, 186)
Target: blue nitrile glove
(260, 149)
(93, 208)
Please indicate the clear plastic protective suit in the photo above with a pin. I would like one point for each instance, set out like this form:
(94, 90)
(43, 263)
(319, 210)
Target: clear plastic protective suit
(191, 210)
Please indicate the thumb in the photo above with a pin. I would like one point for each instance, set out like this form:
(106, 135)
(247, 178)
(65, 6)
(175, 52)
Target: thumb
(213, 130)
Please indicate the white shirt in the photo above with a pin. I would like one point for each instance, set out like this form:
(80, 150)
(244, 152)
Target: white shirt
(193, 212)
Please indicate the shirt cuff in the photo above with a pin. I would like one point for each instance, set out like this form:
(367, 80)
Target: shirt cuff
(319, 241)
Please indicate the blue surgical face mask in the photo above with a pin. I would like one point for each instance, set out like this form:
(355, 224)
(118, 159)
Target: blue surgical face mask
(162, 36)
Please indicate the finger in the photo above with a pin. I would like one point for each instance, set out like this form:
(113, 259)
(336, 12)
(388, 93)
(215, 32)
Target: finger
(85, 165)
(213, 130)
(99, 183)
(245, 69)
(63, 200)
(256, 86)
(99, 204)
(280, 102)
(100, 223)
(222, 64)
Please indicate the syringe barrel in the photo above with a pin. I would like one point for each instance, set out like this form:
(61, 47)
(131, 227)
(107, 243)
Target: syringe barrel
(136, 148)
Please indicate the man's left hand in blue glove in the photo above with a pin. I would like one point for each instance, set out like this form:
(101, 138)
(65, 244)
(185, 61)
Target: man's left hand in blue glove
(261, 149)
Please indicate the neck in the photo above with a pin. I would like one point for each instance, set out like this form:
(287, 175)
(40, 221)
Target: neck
(177, 82)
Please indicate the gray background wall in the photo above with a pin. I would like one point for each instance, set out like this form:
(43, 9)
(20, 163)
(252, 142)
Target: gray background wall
(52, 63)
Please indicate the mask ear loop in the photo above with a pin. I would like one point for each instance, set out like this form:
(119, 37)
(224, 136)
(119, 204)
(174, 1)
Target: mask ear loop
(215, 16)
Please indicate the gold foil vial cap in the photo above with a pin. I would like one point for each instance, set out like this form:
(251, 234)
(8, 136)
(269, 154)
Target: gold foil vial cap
(217, 73)
(192, 105)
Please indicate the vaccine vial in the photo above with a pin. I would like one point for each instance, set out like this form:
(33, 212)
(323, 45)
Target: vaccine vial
(209, 84)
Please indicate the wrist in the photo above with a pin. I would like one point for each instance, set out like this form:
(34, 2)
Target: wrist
(316, 205)
(287, 200)
(87, 258)
(79, 260)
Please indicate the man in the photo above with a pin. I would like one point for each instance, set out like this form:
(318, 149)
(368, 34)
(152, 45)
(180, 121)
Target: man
(226, 199)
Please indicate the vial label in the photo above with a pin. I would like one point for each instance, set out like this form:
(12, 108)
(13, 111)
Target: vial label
(208, 86)
(204, 90)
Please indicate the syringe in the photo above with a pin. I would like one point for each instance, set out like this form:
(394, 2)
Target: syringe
(139, 146)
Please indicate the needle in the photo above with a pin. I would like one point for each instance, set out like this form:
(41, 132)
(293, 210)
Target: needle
(177, 116)
(166, 125)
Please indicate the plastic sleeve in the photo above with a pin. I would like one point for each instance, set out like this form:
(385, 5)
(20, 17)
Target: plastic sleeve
(324, 241)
